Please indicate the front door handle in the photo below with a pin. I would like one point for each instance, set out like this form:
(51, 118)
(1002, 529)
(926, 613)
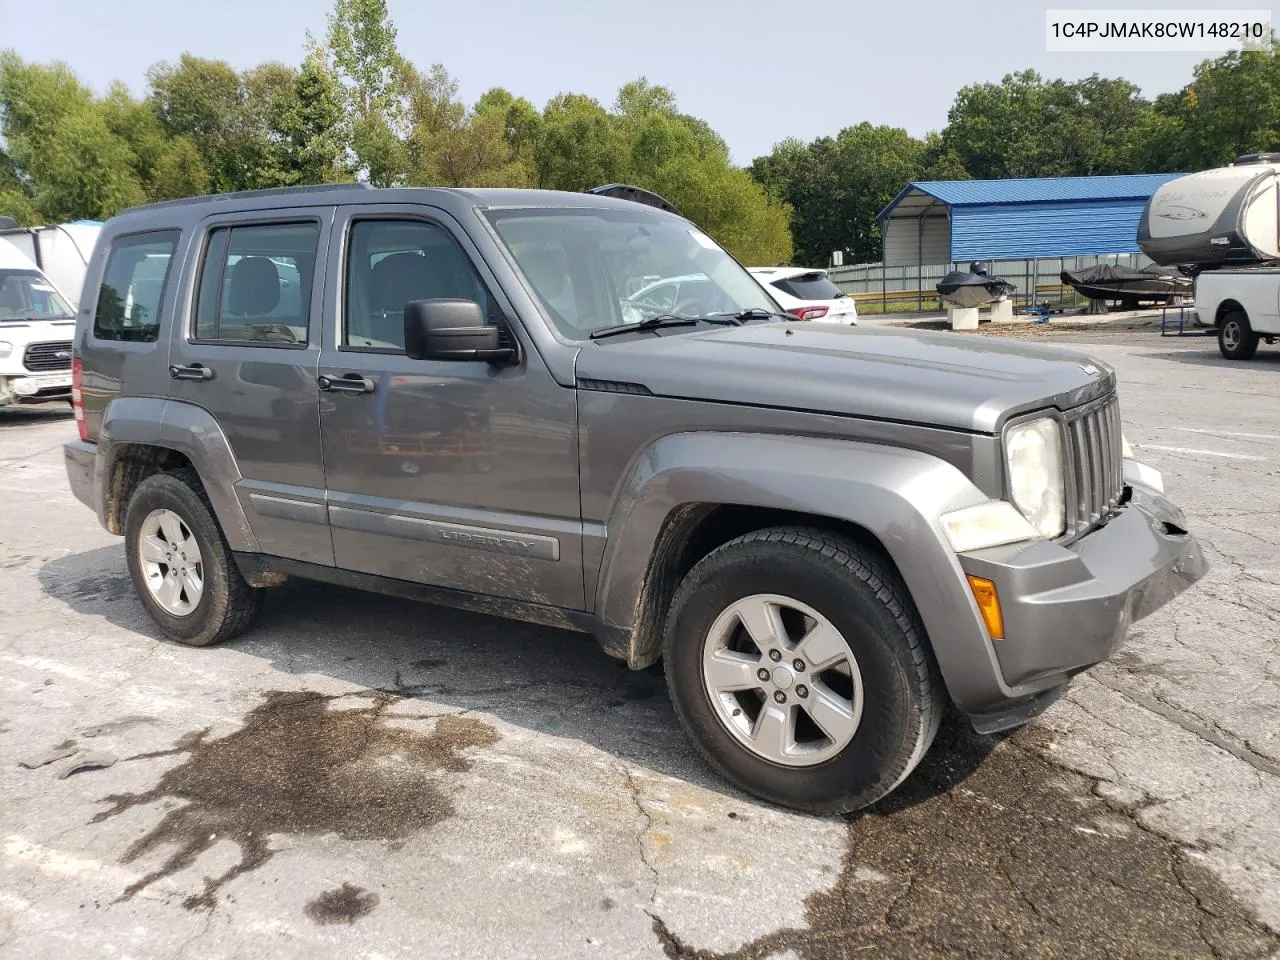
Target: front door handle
(195, 371)
(351, 383)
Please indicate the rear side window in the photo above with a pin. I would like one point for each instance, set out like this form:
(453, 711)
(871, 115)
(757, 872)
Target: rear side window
(809, 286)
(133, 287)
(255, 284)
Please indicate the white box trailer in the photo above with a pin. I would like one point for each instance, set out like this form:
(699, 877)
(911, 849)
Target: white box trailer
(60, 252)
(1230, 215)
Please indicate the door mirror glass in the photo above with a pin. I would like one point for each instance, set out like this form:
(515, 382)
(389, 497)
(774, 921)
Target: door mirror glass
(450, 330)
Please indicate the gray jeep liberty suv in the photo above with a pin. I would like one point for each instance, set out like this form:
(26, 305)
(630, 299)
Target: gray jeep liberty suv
(475, 397)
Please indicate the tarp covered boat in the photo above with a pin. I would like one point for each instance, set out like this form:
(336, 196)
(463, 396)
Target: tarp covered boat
(1223, 216)
(1105, 281)
(973, 288)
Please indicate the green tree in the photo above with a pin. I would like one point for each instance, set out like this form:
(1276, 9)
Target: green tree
(1231, 107)
(62, 159)
(837, 185)
(308, 122)
(374, 78)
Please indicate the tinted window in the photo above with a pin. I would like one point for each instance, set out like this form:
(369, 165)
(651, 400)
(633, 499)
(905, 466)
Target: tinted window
(810, 286)
(27, 295)
(133, 287)
(255, 283)
(389, 263)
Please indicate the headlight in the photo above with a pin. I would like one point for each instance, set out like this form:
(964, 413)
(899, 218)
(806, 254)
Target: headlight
(1033, 453)
(990, 524)
(6, 348)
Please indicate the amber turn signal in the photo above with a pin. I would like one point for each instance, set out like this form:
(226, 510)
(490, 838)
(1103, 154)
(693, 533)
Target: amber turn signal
(984, 591)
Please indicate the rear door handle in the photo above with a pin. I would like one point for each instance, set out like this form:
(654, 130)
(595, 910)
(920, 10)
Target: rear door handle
(351, 383)
(195, 371)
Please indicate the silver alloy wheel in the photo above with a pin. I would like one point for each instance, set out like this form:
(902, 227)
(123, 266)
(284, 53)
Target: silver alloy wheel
(1231, 334)
(171, 563)
(782, 680)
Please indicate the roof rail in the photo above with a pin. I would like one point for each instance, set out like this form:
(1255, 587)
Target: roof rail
(623, 191)
(239, 194)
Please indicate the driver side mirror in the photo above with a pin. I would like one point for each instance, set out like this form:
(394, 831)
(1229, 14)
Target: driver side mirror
(451, 330)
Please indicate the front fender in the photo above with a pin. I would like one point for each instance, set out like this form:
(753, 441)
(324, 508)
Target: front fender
(895, 494)
(185, 429)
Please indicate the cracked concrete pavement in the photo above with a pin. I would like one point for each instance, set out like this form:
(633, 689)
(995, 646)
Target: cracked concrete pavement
(1139, 817)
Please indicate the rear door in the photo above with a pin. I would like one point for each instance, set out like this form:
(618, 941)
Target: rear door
(455, 474)
(248, 354)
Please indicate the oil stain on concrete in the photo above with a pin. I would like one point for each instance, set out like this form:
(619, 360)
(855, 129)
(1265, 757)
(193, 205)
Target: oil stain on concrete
(346, 904)
(298, 766)
(1006, 855)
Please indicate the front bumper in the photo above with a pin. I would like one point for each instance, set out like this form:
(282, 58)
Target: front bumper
(1068, 606)
(35, 387)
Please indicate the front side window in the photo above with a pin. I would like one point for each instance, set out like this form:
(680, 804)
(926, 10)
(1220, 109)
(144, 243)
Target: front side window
(594, 268)
(255, 283)
(27, 295)
(133, 287)
(391, 262)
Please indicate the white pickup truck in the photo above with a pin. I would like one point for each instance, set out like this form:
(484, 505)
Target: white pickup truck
(1244, 304)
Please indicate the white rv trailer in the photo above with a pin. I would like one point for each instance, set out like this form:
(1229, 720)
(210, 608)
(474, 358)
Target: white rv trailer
(1224, 224)
(1225, 216)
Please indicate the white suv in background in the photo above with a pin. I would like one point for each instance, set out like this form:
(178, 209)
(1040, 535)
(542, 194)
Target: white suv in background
(807, 293)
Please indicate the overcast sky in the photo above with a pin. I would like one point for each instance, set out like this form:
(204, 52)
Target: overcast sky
(757, 72)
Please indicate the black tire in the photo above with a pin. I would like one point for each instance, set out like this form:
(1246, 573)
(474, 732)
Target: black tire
(1236, 339)
(867, 602)
(228, 604)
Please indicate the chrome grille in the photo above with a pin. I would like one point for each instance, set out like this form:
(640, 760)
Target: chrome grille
(1096, 469)
(50, 355)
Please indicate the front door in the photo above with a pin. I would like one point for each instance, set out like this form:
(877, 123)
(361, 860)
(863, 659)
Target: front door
(456, 474)
(248, 356)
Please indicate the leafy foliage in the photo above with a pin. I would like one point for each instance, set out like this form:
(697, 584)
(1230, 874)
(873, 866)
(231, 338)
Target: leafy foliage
(357, 108)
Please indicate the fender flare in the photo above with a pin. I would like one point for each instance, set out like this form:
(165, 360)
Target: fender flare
(895, 494)
(185, 429)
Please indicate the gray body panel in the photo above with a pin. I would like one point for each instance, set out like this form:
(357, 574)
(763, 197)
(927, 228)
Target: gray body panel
(900, 376)
(562, 485)
(265, 399)
(460, 475)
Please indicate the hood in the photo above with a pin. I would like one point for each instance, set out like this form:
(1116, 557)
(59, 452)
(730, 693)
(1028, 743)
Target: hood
(970, 383)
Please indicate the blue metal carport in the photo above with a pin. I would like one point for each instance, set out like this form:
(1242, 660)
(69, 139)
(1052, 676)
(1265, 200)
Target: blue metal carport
(955, 221)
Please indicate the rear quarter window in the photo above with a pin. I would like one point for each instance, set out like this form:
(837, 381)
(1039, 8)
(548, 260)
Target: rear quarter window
(809, 286)
(133, 288)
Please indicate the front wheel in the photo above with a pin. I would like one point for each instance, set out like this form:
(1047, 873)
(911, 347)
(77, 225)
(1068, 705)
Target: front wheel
(798, 665)
(181, 566)
(1236, 339)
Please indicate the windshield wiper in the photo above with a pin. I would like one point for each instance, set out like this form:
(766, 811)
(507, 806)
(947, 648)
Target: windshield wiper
(661, 321)
(752, 313)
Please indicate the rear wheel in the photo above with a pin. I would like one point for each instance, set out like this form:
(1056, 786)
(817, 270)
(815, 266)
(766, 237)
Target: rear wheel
(798, 666)
(181, 566)
(1236, 339)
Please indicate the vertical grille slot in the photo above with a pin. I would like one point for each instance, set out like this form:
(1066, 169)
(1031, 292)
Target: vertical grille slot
(1096, 467)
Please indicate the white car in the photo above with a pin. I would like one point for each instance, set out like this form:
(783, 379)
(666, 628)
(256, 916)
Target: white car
(37, 323)
(807, 293)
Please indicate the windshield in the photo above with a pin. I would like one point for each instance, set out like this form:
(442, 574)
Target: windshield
(593, 269)
(27, 295)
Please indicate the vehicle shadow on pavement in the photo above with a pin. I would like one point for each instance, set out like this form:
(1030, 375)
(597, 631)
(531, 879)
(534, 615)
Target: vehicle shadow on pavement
(546, 680)
(1210, 357)
(14, 415)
